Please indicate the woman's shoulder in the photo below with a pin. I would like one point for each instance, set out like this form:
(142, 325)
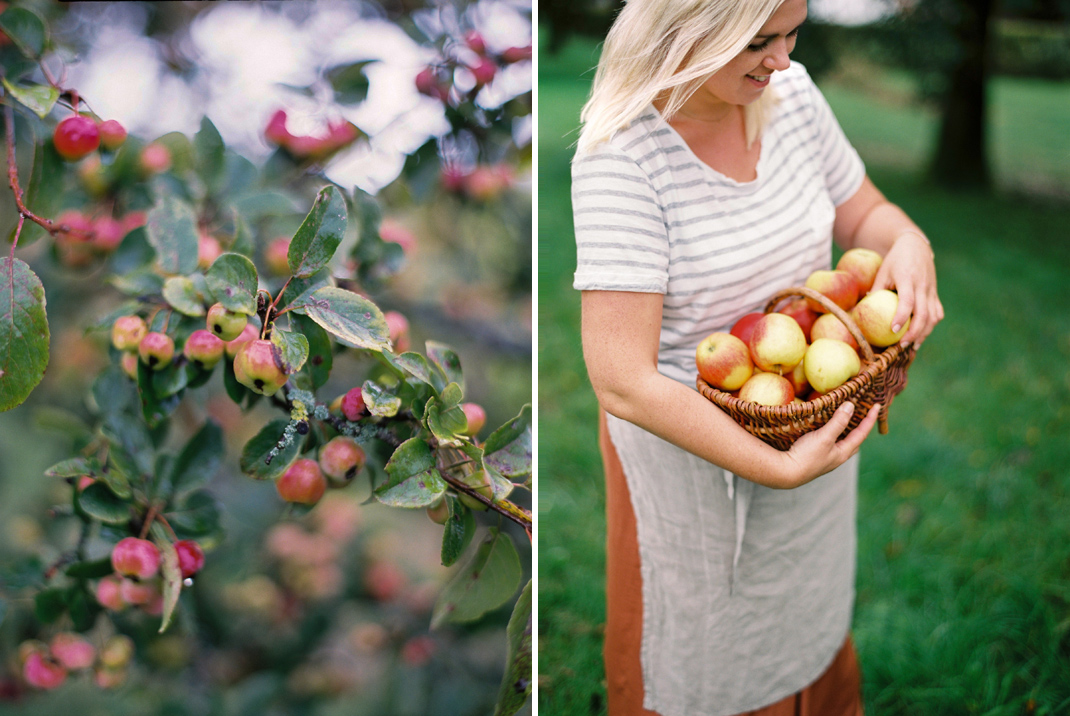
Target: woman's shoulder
(645, 136)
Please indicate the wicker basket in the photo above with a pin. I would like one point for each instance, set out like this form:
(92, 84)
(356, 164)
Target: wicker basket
(882, 377)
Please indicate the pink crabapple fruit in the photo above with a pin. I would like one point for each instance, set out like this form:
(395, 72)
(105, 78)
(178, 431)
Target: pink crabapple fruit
(156, 350)
(133, 557)
(340, 460)
(256, 366)
(72, 651)
(155, 158)
(76, 137)
(208, 250)
(112, 134)
(127, 332)
(128, 363)
(224, 323)
(43, 672)
(399, 330)
(204, 348)
(109, 594)
(276, 256)
(353, 406)
(249, 333)
(476, 416)
(303, 482)
(190, 557)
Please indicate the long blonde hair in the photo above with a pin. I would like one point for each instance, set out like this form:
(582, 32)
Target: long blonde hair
(668, 49)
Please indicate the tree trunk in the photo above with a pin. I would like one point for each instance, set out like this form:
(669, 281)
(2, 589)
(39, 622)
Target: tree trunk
(961, 158)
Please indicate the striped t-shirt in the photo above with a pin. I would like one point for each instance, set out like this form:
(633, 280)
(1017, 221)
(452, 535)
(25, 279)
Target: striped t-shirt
(651, 217)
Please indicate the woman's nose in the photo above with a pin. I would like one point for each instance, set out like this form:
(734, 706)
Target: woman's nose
(777, 59)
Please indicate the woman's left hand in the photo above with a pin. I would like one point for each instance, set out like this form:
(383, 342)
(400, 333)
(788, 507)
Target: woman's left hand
(909, 269)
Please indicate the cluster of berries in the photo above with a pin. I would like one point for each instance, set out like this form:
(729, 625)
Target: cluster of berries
(83, 237)
(483, 182)
(437, 80)
(136, 580)
(338, 136)
(78, 136)
(46, 666)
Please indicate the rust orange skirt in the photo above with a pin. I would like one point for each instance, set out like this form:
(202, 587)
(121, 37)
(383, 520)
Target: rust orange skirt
(837, 692)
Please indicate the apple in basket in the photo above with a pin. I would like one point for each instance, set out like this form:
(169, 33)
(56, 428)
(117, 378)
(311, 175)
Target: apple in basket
(874, 315)
(829, 364)
(777, 344)
(723, 361)
(828, 326)
(767, 389)
(742, 328)
(863, 264)
(839, 287)
(800, 310)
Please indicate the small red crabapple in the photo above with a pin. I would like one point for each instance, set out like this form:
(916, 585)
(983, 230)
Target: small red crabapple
(439, 512)
(112, 134)
(475, 42)
(75, 137)
(384, 580)
(453, 177)
(204, 348)
(127, 332)
(43, 672)
(72, 651)
(108, 233)
(109, 595)
(340, 460)
(516, 54)
(257, 368)
(129, 364)
(276, 256)
(156, 350)
(303, 482)
(139, 593)
(484, 70)
(117, 652)
(208, 250)
(190, 557)
(418, 650)
(477, 417)
(353, 405)
(399, 330)
(249, 333)
(225, 324)
(155, 158)
(392, 231)
(133, 557)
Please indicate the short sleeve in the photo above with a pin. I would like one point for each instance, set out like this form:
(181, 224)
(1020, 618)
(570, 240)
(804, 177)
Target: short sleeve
(621, 240)
(842, 167)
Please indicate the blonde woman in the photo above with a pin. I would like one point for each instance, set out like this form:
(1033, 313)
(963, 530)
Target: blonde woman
(710, 173)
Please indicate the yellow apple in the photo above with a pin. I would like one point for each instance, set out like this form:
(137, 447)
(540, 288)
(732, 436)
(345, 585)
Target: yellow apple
(767, 389)
(777, 343)
(830, 363)
(874, 315)
(839, 287)
(863, 264)
(828, 326)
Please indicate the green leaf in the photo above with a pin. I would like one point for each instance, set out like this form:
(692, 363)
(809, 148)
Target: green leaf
(458, 531)
(320, 350)
(412, 479)
(255, 452)
(44, 189)
(484, 583)
(292, 349)
(380, 401)
(195, 515)
(172, 231)
(83, 608)
(101, 504)
(507, 452)
(50, 604)
(23, 332)
(210, 152)
(94, 569)
(448, 361)
(26, 30)
(182, 294)
(516, 681)
(172, 579)
(316, 240)
(139, 282)
(353, 319)
(409, 364)
(444, 420)
(40, 99)
(233, 281)
(75, 467)
(199, 460)
(256, 206)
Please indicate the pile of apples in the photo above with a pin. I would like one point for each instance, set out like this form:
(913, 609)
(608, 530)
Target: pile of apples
(803, 351)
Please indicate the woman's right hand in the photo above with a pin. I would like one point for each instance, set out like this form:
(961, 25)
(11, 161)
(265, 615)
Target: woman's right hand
(820, 451)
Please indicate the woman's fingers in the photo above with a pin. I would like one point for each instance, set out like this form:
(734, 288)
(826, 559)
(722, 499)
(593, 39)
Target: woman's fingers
(850, 444)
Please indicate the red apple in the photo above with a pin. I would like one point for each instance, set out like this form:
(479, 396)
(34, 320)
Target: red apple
(75, 137)
(839, 287)
(767, 389)
(127, 332)
(476, 416)
(133, 557)
(112, 134)
(863, 264)
(257, 368)
(828, 326)
(874, 315)
(723, 361)
(800, 310)
(156, 350)
(249, 333)
(204, 348)
(303, 482)
(742, 328)
(777, 344)
(340, 460)
(797, 378)
(830, 363)
(190, 557)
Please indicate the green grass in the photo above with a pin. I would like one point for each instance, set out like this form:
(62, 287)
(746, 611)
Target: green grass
(964, 564)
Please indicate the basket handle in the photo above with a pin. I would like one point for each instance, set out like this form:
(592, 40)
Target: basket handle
(845, 318)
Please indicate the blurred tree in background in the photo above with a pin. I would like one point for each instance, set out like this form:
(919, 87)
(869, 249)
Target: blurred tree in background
(351, 182)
